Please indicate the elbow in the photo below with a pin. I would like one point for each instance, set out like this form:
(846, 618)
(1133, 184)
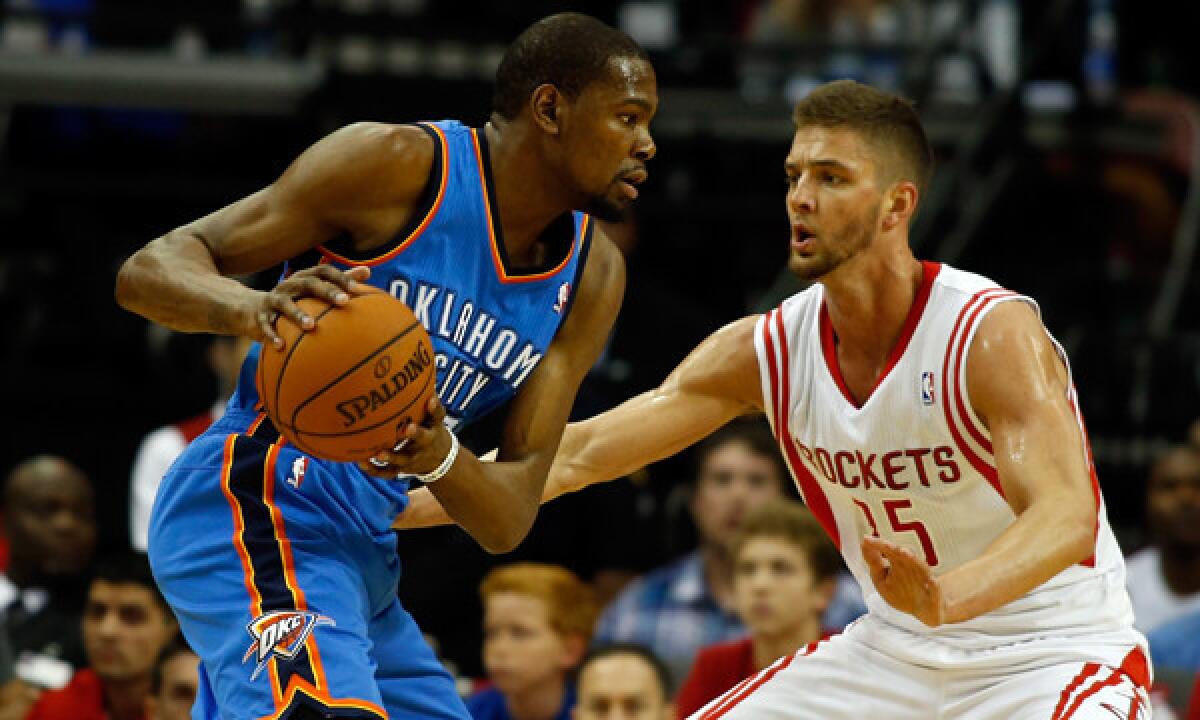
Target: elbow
(505, 538)
(123, 292)
(1081, 540)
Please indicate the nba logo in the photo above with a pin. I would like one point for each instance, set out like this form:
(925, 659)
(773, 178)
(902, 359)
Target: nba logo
(927, 387)
(564, 294)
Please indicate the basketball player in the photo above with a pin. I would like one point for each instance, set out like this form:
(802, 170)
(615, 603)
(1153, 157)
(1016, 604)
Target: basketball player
(931, 424)
(282, 567)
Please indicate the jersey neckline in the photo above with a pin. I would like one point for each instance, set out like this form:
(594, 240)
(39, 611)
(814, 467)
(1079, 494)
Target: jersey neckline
(504, 270)
(929, 272)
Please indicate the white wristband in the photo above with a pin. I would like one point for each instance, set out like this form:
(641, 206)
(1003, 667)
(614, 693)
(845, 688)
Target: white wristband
(440, 471)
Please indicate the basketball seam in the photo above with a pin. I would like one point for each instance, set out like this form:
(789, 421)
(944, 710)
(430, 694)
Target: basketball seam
(288, 359)
(344, 375)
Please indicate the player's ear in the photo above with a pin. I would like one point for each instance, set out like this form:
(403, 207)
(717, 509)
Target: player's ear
(900, 204)
(546, 105)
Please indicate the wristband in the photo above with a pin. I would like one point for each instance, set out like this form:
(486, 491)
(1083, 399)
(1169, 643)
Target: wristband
(440, 471)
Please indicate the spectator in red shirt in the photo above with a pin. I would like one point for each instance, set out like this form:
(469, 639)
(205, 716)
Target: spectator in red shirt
(784, 575)
(174, 682)
(126, 624)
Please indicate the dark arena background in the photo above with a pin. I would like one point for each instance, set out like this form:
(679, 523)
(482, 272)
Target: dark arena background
(1067, 135)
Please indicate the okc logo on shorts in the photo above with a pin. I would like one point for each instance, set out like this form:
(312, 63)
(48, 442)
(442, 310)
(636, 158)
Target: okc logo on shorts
(281, 634)
(927, 387)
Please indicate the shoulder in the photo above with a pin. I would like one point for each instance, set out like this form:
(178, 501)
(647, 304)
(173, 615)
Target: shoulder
(487, 703)
(652, 588)
(81, 699)
(369, 161)
(605, 269)
(725, 652)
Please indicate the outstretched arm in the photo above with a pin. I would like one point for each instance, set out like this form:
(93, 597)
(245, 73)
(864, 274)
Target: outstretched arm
(715, 383)
(1019, 388)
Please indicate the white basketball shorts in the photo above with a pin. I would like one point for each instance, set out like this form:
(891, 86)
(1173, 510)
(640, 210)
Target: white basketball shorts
(848, 676)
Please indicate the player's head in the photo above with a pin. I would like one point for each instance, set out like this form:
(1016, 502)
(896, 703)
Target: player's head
(784, 570)
(173, 683)
(738, 468)
(858, 163)
(126, 621)
(537, 622)
(623, 682)
(590, 92)
(50, 520)
(1173, 498)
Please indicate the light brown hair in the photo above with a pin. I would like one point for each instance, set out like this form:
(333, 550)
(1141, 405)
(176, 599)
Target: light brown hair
(888, 121)
(794, 524)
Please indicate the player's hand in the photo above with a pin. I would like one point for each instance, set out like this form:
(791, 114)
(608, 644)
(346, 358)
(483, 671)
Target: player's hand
(323, 282)
(904, 580)
(421, 449)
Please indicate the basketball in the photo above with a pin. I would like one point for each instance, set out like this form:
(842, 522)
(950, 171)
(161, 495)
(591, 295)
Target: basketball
(346, 390)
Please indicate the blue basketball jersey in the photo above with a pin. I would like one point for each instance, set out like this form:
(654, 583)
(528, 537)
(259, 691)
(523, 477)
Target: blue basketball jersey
(281, 567)
(490, 325)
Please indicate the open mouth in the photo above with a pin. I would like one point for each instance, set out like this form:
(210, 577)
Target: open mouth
(802, 237)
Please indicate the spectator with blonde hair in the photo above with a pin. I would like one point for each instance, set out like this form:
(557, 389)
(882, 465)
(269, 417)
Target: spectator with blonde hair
(537, 622)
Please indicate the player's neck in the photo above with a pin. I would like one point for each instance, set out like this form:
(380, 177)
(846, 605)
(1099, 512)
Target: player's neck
(769, 648)
(1181, 568)
(527, 198)
(539, 703)
(868, 299)
(124, 698)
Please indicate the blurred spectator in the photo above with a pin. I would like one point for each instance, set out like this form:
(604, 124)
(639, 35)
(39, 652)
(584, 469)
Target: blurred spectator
(1176, 644)
(678, 609)
(51, 527)
(174, 682)
(841, 20)
(623, 681)
(1194, 707)
(160, 448)
(537, 620)
(126, 624)
(1164, 578)
(785, 572)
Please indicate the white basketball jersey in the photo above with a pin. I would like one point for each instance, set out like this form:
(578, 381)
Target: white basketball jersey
(914, 463)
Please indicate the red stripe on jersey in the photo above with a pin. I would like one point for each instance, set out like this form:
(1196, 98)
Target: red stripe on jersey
(762, 679)
(772, 371)
(1088, 670)
(981, 466)
(1110, 681)
(814, 496)
(929, 273)
(964, 415)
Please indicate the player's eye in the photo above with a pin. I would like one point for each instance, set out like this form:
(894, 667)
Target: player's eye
(629, 119)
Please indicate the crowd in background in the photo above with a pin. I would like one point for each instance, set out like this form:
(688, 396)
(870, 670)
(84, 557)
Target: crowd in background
(83, 638)
(647, 596)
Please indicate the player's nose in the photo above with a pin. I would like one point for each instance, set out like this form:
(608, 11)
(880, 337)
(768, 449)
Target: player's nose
(645, 148)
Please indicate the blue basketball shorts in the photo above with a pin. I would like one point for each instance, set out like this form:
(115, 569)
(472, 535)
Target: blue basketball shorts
(282, 571)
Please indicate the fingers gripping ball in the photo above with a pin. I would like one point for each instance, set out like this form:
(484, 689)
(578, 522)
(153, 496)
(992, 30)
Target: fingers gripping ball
(346, 389)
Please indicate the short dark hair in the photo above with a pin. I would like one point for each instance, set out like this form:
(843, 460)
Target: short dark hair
(661, 673)
(177, 646)
(888, 120)
(569, 51)
(130, 569)
(754, 433)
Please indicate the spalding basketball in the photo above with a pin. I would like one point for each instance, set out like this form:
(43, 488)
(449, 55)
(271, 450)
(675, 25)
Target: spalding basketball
(346, 389)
